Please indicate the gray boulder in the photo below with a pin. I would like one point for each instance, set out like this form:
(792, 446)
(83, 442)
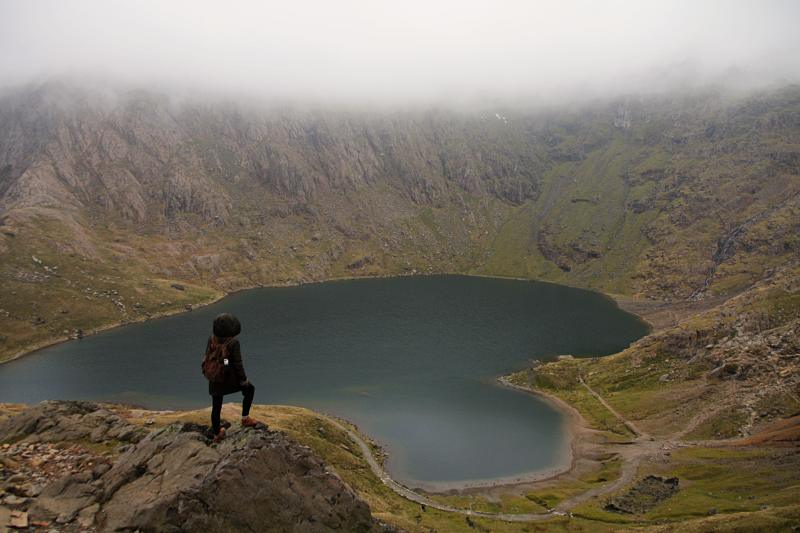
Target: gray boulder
(255, 480)
(175, 479)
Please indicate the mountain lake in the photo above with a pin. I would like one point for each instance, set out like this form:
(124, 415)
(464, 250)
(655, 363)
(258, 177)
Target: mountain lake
(413, 361)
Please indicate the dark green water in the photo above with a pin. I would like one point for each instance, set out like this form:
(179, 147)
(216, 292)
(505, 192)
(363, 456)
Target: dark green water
(412, 361)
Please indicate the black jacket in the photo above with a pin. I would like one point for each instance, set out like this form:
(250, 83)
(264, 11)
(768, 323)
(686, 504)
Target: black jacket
(234, 372)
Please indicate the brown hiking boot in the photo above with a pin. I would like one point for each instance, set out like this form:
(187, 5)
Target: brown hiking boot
(219, 436)
(248, 422)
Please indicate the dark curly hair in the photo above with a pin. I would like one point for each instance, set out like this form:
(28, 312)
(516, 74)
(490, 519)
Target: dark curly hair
(226, 325)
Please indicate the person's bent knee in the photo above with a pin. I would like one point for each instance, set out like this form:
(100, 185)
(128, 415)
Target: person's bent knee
(249, 388)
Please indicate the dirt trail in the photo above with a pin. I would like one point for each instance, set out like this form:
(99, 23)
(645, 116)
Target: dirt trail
(632, 454)
(625, 422)
(409, 494)
(642, 448)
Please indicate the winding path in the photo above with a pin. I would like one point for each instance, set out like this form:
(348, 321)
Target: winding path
(409, 494)
(632, 455)
(641, 448)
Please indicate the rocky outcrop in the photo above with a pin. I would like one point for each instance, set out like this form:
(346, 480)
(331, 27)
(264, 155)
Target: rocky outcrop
(174, 479)
(69, 421)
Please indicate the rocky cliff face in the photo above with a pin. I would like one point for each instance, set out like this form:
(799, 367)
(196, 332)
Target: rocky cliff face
(167, 479)
(123, 192)
(145, 157)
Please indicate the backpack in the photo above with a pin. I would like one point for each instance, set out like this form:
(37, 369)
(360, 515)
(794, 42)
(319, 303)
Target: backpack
(214, 361)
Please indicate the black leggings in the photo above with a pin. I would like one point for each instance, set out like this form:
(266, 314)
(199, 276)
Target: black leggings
(248, 391)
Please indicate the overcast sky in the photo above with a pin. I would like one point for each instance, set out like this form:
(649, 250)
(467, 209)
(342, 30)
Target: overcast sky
(402, 51)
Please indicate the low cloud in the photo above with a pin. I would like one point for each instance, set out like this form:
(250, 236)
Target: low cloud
(403, 52)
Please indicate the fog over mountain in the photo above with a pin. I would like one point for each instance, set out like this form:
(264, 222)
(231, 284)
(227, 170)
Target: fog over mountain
(158, 156)
(409, 53)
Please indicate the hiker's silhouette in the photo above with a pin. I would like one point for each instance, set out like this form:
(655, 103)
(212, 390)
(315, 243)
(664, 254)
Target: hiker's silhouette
(223, 367)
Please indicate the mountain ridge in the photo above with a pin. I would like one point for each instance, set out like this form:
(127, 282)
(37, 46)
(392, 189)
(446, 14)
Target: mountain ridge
(662, 197)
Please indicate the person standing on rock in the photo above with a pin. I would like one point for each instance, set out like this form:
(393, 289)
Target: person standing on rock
(222, 366)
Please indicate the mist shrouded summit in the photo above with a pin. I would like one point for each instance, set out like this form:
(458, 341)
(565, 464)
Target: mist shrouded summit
(409, 53)
(156, 156)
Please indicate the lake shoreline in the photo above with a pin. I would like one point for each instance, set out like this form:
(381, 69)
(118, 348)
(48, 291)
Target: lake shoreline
(630, 305)
(574, 425)
(574, 429)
